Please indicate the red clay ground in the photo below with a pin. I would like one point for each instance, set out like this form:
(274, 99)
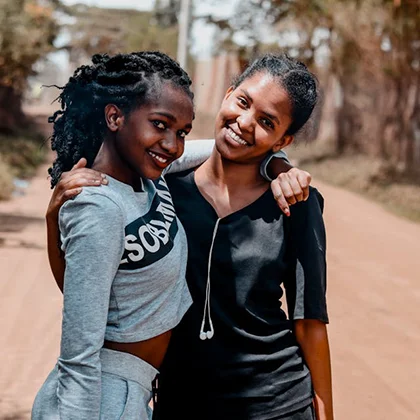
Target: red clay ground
(373, 292)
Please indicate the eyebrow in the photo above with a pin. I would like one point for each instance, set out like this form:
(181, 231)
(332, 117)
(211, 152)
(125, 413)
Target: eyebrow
(264, 112)
(170, 117)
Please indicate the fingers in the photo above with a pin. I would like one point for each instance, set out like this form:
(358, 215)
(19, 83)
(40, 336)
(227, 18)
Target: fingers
(81, 180)
(68, 194)
(80, 164)
(279, 197)
(81, 177)
(71, 184)
(299, 182)
(296, 189)
(304, 178)
(291, 187)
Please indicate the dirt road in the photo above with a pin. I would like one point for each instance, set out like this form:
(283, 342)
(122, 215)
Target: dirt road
(373, 292)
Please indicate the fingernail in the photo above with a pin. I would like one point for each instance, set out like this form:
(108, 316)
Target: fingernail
(287, 211)
(105, 181)
(103, 175)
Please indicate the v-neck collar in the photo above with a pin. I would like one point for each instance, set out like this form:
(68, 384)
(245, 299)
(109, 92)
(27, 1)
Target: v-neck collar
(244, 210)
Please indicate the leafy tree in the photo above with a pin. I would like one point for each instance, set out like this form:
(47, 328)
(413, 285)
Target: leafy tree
(98, 30)
(371, 48)
(28, 29)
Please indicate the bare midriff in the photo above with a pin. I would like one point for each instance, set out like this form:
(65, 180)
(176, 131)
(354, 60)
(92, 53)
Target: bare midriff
(151, 351)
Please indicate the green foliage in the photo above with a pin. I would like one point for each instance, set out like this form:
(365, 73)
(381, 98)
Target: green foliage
(28, 29)
(20, 156)
(146, 34)
(98, 30)
(23, 152)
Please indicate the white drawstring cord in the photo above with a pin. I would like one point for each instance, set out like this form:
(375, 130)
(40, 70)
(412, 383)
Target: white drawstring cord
(204, 335)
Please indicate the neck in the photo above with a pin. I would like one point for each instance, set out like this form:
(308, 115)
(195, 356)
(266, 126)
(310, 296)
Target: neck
(230, 175)
(109, 162)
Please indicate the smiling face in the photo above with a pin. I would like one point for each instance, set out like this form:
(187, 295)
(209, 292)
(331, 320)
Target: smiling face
(151, 136)
(253, 120)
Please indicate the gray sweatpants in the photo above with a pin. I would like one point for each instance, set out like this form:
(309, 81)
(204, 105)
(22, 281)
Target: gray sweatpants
(125, 394)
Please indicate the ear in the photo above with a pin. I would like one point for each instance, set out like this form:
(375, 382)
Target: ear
(114, 117)
(229, 92)
(283, 142)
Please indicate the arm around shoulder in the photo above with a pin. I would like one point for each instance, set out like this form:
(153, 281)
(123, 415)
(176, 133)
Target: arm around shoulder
(195, 153)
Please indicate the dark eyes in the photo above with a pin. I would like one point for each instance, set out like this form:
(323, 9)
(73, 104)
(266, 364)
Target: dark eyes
(265, 121)
(161, 125)
(242, 101)
(182, 134)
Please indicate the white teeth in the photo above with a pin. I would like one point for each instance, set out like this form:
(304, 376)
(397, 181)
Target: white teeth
(159, 158)
(235, 137)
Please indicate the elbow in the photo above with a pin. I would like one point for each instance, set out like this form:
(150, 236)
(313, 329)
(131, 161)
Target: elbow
(310, 331)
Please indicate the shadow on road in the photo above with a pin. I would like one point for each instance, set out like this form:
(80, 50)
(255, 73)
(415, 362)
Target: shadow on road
(14, 223)
(10, 223)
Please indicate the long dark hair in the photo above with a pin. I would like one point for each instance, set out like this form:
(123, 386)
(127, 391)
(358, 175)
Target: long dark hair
(126, 80)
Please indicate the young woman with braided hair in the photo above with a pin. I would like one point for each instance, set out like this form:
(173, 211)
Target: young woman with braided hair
(124, 249)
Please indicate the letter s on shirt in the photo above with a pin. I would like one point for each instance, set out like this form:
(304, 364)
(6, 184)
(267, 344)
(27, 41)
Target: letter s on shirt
(131, 245)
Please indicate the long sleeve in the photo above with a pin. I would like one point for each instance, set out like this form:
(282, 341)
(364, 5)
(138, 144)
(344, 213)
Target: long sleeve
(264, 165)
(90, 226)
(306, 290)
(195, 153)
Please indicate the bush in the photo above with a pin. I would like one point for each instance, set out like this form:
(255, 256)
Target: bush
(23, 153)
(6, 180)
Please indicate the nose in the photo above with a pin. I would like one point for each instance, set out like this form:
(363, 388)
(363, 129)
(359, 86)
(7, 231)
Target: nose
(169, 144)
(246, 121)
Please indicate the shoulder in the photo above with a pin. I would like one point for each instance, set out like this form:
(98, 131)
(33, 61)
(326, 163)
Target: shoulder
(315, 202)
(309, 212)
(179, 179)
(102, 195)
(93, 203)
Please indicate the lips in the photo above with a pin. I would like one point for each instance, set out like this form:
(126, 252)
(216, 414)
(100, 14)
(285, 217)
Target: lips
(160, 159)
(235, 137)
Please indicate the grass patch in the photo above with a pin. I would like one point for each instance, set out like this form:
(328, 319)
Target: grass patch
(20, 156)
(375, 179)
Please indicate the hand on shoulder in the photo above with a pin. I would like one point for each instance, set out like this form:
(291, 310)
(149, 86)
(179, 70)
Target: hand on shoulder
(71, 184)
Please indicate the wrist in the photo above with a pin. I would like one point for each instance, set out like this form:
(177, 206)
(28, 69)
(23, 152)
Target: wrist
(278, 166)
(51, 216)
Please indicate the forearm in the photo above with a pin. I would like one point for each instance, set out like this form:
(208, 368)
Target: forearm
(274, 164)
(313, 339)
(55, 254)
(277, 166)
(195, 153)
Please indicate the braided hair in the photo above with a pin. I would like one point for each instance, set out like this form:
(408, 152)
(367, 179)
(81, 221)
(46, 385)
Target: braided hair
(126, 80)
(299, 83)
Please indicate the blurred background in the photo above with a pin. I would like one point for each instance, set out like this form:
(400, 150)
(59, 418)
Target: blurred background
(362, 146)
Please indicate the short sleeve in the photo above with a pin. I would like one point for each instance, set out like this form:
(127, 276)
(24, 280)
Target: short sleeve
(306, 287)
(92, 229)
